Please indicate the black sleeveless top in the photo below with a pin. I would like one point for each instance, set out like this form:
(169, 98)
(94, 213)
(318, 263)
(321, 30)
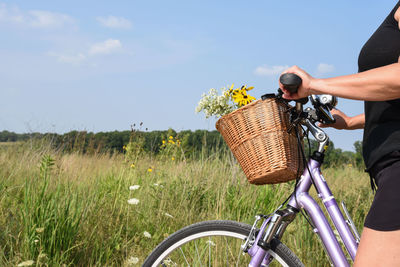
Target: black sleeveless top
(382, 118)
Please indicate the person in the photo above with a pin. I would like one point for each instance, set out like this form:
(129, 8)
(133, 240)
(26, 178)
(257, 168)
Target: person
(378, 84)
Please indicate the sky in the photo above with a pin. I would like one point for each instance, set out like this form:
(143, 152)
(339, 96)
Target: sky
(105, 65)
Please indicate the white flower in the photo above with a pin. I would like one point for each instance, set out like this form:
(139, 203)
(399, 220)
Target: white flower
(211, 243)
(168, 215)
(169, 262)
(134, 187)
(147, 234)
(26, 263)
(133, 260)
(156, 184)
(133, 201)
(214, 104)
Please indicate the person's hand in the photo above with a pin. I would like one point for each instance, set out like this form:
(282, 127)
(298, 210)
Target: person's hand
(304, 89)
(342, 121)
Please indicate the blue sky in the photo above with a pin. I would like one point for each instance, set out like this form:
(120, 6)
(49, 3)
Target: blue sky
(104, 65)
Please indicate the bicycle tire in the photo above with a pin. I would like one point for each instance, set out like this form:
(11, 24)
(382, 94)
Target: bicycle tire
(160, 256)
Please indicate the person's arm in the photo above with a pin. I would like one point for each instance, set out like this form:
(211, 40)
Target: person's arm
(377, 84)
(344, 122)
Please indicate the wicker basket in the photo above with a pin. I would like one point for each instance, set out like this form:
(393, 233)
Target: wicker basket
(257, 135)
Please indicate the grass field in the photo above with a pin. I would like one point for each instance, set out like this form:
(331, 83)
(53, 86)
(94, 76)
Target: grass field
(99, 210)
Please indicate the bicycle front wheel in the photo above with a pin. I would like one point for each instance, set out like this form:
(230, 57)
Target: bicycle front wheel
(213, 243)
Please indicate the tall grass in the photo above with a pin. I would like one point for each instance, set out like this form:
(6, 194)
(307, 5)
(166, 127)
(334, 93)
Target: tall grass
(72, 209)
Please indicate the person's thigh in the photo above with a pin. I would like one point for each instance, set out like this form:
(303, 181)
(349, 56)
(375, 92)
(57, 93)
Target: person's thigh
(378, 248)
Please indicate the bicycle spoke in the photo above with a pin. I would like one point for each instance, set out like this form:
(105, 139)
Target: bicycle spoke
(197, 252)
(183, 254)
(209, 251)
(238, 258)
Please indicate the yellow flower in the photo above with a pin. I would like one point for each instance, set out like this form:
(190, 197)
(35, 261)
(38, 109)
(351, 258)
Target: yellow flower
(230, 90)
(173, 158)
(124, 148)
(132, 165)
(150, 169)
(170, 137)
(241, 97)
(163, 142)
(237, 96)
(247, 98)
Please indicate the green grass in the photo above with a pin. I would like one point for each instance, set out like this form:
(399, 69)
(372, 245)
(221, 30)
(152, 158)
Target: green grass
(72, 210)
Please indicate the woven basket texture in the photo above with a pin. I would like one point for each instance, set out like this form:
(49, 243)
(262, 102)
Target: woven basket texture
(257, 135)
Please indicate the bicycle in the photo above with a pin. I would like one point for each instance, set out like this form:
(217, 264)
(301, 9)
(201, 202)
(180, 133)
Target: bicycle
(242, 244)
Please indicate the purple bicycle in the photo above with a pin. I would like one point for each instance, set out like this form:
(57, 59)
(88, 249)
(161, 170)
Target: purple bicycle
(230, 243)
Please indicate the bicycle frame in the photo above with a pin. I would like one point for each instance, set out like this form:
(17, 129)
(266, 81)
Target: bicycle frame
(276, 224)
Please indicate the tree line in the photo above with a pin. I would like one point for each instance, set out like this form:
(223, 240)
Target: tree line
(193, 143)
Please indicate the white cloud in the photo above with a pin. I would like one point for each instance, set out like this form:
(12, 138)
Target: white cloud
(34, 18)
(71, 59)
(46, 19)
(270, 71)
(107, 47)
(114, 22)
(325, 68)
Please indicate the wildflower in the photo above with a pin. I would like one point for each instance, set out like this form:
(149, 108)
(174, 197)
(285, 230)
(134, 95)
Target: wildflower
(241, 97)
(169, 262)
(26, 263)
(36, 241)
(168, 215)
(158, 184)
(350, 165)
(124, 148)
(170, 137)
(147, 234)
(42, 257)
(215, 105)
(150, 169)
(211, 243)
(173, 158)
(134, 187)
(230, 90)
(39, 230)
(163, 142)
(133, 201)
(132, 166)
(133, 260)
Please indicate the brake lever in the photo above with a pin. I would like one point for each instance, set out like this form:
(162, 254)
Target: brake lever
(327, 113)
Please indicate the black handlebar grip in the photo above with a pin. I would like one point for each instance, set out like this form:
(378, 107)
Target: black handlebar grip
(291, 82)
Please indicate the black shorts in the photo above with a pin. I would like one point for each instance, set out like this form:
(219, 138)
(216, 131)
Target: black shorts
(384, 214)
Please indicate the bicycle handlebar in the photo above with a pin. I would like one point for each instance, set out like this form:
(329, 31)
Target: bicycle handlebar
(291, 82)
